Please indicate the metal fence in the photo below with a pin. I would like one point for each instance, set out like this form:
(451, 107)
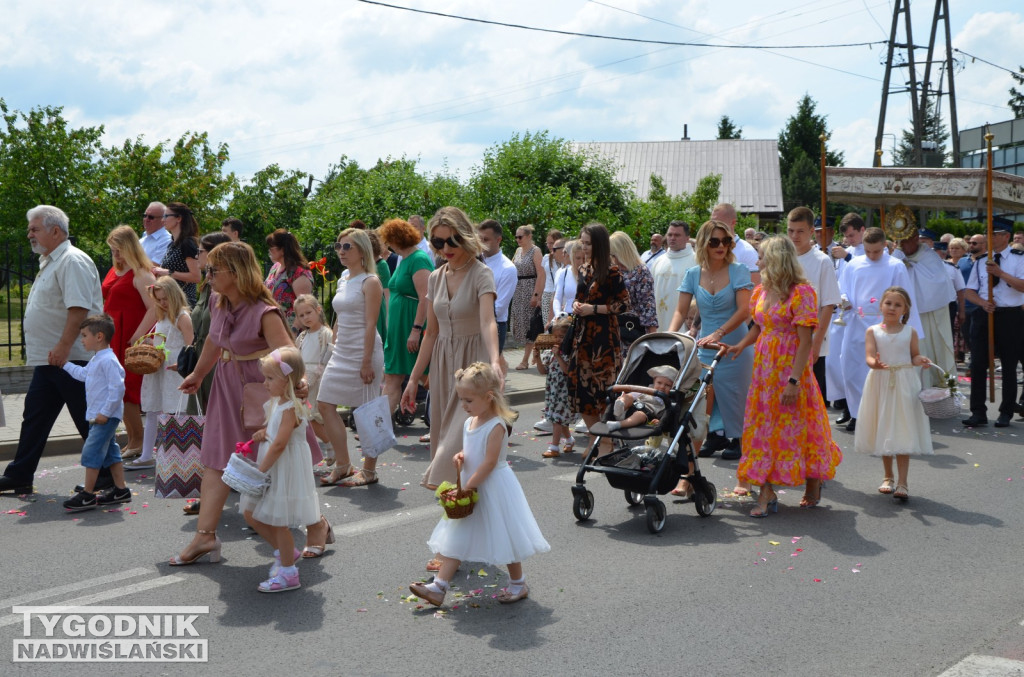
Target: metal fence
(18, 270)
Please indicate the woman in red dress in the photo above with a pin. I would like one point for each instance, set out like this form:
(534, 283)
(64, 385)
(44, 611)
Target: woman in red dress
(126, 301)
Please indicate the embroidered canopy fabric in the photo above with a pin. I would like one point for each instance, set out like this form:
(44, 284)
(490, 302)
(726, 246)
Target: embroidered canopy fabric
(927, 188)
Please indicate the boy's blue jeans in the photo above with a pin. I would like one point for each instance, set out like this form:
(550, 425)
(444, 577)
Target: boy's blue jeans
(101, 449)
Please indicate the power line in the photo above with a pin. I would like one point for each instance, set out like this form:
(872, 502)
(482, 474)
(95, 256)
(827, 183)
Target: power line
(994, 65)
(618, 38)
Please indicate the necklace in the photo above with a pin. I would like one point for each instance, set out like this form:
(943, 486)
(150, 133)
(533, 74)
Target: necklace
(711, 279)
(452, 271)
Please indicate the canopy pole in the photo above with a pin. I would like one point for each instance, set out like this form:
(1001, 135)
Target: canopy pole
(991, 316)
(825, 235)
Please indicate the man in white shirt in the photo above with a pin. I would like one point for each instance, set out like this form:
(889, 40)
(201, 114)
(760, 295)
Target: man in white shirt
(743, 250)
(417, 221)
(1007, 271)
(156, 239)
(505, 278)
(668, 271)
(654, 252)
(65, 291)
(933, 292)
(819, 272)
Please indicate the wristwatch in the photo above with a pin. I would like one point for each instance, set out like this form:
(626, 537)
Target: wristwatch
(595, 309)
(793, 381)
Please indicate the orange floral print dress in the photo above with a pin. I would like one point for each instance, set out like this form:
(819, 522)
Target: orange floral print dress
(785, 445)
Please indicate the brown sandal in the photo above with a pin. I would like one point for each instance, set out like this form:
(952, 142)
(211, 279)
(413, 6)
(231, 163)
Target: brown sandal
(337, 475)
(314, 551)
(365, 477)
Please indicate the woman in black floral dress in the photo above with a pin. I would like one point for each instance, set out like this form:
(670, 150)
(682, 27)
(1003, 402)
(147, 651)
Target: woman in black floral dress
(181, 261)
(597, 355)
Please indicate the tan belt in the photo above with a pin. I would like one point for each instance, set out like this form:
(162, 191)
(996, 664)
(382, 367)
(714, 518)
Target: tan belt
(226, 356)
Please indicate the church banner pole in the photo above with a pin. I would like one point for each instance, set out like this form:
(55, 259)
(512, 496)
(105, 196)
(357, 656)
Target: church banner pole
(825, 235)
(991, 316)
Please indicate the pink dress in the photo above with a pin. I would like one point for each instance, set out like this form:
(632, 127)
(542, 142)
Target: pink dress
(239, 330)
(785, 445)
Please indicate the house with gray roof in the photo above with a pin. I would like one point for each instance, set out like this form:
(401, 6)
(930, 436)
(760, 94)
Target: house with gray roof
(749, 168)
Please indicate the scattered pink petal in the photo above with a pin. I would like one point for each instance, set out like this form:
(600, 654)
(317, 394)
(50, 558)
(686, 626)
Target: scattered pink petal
(789, 568)
(795, 539)
(817, 580)
(799, 549)
(358, 611)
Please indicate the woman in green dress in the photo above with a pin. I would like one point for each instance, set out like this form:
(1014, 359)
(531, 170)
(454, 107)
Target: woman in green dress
(406, 309)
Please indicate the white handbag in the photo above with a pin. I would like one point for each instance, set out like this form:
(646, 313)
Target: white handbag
(373, 423)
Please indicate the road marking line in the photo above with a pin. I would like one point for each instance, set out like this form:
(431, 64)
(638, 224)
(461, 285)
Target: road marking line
(989, 666)
(109, 594)
(75, 587)
(386, 521)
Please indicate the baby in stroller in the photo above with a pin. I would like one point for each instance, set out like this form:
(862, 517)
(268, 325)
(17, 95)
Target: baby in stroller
(641, 407)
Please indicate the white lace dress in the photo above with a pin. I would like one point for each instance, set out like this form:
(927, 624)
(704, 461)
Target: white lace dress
(501, 528)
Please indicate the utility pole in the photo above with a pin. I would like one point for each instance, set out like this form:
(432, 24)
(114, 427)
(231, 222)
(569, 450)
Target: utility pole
(921, 90)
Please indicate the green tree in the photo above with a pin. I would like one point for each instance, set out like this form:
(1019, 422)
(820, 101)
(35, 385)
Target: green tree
(390, 189)
(727, 129)
(544, 181)
(1016, 101)
(654, 214)
(800, 137)
(43, 160)
(273, 198)
(934, 130)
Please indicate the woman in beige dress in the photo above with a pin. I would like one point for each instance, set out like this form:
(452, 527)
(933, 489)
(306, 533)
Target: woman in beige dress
(460, 330)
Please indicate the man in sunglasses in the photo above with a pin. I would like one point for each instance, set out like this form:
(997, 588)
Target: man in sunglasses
(156, 239)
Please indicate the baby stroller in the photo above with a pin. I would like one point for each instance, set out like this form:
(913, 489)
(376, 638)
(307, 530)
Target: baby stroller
(644, 473)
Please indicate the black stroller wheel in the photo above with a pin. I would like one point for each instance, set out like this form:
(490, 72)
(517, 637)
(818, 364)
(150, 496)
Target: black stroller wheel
(583, 506)
(705, 499)
(655, 516)
(404, 418)
(634, 497)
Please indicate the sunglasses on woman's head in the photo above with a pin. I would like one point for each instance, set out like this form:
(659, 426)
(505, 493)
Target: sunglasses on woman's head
(438, 243)
(342, 246)
(715, 242)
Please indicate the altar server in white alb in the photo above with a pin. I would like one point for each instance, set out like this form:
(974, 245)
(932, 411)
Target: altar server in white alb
(852, 229)
(933, 292)
(862, 282)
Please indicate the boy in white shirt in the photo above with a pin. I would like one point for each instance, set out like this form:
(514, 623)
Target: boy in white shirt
(104, 392)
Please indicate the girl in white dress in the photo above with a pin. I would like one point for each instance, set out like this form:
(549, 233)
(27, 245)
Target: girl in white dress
(501, 529)
(315, 342)
(892, 421)
(291, 499)
(160, 394)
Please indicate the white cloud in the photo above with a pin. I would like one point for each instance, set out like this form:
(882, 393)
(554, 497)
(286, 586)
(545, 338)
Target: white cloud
(301, 85)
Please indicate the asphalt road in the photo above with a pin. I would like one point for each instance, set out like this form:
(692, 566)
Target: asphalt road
(860, 586)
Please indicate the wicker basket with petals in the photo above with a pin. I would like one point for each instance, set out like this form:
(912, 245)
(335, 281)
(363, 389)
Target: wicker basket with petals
(145, 358)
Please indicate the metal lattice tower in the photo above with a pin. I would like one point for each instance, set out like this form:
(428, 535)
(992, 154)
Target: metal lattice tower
(919, 90)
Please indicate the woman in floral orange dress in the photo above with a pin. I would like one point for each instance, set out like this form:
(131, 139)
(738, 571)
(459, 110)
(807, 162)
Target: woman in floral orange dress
(786, 434)
(597, 351)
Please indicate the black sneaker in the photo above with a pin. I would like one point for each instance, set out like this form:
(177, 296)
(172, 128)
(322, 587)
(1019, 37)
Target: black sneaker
(733, 451)
(715, 442)
(103, 482)
(115, 495)
(83, 500)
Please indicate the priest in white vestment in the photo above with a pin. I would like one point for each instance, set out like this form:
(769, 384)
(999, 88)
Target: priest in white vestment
(668, 270)
(933, 292)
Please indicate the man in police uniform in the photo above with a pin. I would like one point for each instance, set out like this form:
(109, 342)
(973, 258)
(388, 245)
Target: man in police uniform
(1007, 271)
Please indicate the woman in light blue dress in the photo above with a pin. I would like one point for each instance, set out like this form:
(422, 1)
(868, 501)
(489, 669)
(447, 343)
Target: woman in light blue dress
(721, 287)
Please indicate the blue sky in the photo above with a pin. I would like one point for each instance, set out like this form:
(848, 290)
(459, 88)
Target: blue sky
(303, 84)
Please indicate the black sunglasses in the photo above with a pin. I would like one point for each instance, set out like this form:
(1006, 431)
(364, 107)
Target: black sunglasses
(557, 249)
(715, 242)
(438, 243)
